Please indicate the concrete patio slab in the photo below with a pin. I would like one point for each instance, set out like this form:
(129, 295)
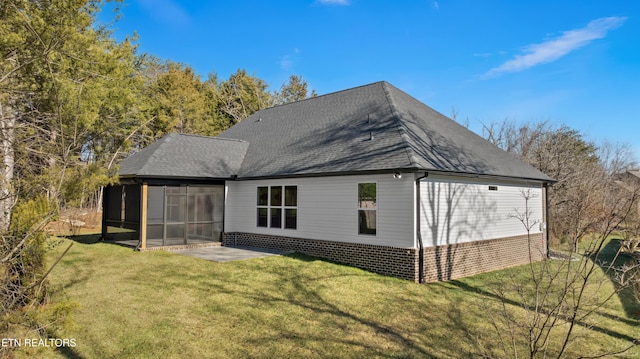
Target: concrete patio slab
(227, 254)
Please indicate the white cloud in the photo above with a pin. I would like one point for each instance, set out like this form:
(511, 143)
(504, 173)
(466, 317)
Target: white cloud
(288, 61)
(285, 62)
(335, 2)
(166, 11)
(558, 47)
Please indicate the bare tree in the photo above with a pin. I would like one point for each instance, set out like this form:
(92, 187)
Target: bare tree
(545, 308)
(616, 157)
(579, 166)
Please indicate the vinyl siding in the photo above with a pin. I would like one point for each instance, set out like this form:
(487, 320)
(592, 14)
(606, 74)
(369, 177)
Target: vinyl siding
(328, 209)
(458, 210)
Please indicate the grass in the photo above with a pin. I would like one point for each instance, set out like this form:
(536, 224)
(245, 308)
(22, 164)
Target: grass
(159, 304)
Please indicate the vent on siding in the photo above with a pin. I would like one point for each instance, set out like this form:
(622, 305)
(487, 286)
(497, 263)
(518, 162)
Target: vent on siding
(493, 188)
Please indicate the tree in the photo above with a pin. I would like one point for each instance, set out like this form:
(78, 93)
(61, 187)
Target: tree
(241, 95)
(69, 84)
(294, 90)
(547, 310)
(68, 103)
(616, 158)
(179, 101)
(566, 156)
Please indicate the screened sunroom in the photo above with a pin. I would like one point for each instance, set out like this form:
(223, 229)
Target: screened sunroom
(160, 215)
(172, 192)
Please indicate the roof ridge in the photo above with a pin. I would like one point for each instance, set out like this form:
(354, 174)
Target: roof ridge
(162, 142)
(173, 134)
(226, 139)
(323, 95)
(187, 134)
(400, 125)
(153, 148)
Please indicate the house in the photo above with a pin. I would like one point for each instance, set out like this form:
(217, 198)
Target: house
(629, 182)
(368, 176)
(630, 178)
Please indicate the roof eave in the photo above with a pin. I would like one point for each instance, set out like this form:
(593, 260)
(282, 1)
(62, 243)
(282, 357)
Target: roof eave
(488, 176)
(339, 173)
(330, 174)
(155, 177)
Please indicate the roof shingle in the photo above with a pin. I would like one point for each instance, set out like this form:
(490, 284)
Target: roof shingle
(186, 156)
(374, 127)
(367, 128)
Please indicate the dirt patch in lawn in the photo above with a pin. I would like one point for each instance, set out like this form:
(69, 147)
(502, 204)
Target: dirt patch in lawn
(74, 221)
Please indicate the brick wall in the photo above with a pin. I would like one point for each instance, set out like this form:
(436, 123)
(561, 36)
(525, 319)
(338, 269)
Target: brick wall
(466, 259)
(440, 263)
(391, 261)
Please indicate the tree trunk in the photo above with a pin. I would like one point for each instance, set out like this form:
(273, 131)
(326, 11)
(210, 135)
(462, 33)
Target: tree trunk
(7, 137)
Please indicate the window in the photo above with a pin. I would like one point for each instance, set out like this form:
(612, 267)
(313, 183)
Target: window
(276, 217)
(262, 217)
(367, 208)
(277, 207)
(276, 196)
(263, 209)
(291, 207)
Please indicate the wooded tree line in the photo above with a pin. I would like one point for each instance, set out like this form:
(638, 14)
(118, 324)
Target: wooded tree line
(591, 203)
(586, 173)
(73, 102)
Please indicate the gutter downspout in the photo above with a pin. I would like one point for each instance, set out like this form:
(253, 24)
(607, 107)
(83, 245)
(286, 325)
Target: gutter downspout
(546, 214)
(419, 232)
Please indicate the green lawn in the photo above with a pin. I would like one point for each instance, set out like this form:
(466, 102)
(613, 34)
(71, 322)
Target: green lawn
(162, 305)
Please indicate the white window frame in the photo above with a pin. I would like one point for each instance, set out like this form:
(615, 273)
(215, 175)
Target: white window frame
(374, 209)
(282, 207)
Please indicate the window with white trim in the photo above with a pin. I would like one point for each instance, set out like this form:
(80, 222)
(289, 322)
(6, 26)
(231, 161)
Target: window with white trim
(277, 207)
(367, 208)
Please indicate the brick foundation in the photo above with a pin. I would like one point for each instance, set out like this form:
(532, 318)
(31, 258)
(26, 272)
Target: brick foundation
(391, 261)
(467, 259)
(440, 263)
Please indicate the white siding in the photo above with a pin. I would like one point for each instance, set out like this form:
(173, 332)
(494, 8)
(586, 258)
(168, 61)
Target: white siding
(457, 210)
(328, 209)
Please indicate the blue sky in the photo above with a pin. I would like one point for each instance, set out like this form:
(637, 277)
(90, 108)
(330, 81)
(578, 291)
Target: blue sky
(568, 62)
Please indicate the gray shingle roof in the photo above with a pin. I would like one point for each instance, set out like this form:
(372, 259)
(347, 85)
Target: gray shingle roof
(186, 156)
(635, 173)
(375, 127)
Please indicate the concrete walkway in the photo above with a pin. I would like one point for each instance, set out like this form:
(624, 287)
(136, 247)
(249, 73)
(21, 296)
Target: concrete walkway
(227, 254)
